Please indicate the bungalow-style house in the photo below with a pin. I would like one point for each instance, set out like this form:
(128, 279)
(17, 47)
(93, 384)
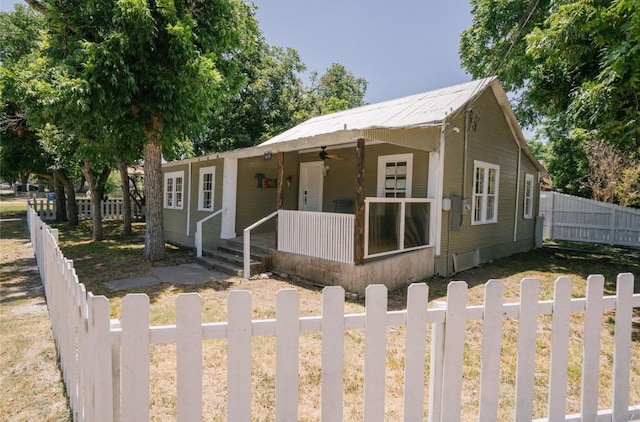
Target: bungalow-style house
(389, 193)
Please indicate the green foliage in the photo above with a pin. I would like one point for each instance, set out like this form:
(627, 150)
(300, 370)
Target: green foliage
(576, 64)
(338, 89)
(265, 105)
(274, 99)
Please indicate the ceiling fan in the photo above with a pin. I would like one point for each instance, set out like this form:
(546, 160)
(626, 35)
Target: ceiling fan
(324, 155)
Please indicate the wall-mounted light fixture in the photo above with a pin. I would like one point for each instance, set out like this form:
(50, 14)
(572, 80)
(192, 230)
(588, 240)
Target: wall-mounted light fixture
(325, 170)
(267, 155)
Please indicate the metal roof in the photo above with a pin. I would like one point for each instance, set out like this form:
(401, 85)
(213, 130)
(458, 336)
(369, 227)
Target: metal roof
(420, 110)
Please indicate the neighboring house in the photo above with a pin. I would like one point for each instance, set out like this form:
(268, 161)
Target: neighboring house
(388, 193)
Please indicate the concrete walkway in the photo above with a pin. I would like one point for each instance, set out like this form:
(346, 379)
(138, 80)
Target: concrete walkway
(180, 274)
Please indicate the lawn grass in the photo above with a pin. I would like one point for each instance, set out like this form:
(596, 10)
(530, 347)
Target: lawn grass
(30, 384)
(120, 256)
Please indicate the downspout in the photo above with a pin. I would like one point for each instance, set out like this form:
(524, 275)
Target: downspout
(515, 217)
(189, 201)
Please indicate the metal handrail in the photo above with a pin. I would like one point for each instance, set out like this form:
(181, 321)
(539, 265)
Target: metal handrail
(247, 244)
(198, 239)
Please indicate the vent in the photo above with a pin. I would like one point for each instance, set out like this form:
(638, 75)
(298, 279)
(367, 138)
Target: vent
(466, 260)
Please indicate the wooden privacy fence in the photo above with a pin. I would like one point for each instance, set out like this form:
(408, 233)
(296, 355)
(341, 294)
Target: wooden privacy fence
(106, 363)
(578, 219)
(111, 208)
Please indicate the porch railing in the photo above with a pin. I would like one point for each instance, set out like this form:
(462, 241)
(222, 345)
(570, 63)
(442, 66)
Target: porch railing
(246, 268)
(319, 234)
(394, 225)
(198, 236)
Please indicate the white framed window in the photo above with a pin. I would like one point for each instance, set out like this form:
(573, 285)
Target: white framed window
(528, 195)
(173, 189)
(486, 178)
(206, 188)
(395, 173)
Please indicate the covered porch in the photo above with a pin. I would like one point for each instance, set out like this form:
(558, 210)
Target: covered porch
(369, 224)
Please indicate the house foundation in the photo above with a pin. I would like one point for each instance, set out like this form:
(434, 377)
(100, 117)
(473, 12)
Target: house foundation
(392, 271)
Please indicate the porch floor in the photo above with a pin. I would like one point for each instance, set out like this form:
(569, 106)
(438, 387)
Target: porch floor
(260, 240)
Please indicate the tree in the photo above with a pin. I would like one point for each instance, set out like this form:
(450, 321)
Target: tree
(158, 67)
(264, 106)
(575, 64)
(338, 89)
(273, 99)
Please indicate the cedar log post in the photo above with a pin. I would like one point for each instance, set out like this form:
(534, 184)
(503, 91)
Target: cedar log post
(358, 235)
(280, 193)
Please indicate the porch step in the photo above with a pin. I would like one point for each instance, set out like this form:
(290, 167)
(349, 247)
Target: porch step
(228, 258)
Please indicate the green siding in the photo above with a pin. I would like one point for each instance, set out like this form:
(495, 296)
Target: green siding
(492, 141)
(340, 182)
(254, 203)
(175, 221)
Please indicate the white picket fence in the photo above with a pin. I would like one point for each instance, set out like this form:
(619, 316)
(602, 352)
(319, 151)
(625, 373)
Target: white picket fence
(578, 219)
(106, 363)
(111, 208)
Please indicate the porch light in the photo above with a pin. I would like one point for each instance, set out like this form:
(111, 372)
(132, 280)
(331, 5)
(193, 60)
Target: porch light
(325, 170)
(267, 155)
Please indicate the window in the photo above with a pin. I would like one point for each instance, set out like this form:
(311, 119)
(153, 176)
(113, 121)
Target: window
(206, 188)
(485, 192)
(173, 183)
(528, 195)
(394, 175)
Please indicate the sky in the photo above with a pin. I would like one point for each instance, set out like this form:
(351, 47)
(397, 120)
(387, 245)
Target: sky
(400, 47)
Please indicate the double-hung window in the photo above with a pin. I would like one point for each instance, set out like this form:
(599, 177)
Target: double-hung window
(173, 189)
(206, 188)
(394, 175)
(486, 179)
(528, 195)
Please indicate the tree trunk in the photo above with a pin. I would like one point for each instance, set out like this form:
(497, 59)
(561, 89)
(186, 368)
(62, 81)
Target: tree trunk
(97, 194)
(153, 192)
(72, 205)
(58, 189)
(126, 199)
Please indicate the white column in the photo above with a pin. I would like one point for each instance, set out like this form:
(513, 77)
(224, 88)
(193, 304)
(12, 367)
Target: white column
(229, 197)
(434, 191)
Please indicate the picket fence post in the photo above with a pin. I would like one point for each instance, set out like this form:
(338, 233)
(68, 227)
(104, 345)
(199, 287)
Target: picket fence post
(135, 358)
(239, 356)
(416, 342)
(622, 346)
(287, 354)
(332, 354)
(375, 352)
(436, 361)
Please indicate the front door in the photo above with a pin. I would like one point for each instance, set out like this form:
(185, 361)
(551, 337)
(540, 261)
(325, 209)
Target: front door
(311, 182)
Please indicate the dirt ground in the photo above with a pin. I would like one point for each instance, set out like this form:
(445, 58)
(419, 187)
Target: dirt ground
(30, 383)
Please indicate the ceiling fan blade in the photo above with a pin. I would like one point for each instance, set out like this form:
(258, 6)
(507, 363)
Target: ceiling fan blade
(335, 157)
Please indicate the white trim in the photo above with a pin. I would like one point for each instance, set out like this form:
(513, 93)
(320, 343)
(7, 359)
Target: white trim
(177, 195)
(229, 195)
(517, 204)
(201, 174)
(484, 195)
(528, 210)
(189, 189)
(383, 160)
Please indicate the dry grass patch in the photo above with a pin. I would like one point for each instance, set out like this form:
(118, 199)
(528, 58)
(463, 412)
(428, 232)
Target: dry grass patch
(30, 384)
